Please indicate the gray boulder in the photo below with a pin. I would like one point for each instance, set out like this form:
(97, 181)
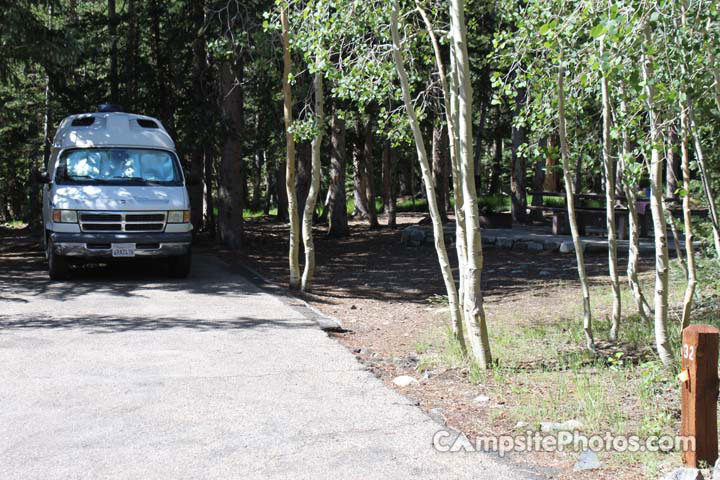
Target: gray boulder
(552, 245)
(567, 426)
(588, 460)
(569, 246)
(684, 474)
(535, 246)
(404, 381)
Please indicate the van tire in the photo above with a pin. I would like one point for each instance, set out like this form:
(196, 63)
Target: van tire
(179, 267)
(58, 267)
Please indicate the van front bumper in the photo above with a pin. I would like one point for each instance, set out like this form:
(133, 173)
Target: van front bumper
(99, 245)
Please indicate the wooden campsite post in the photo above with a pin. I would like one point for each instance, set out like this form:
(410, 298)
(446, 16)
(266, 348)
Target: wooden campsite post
(699, 379)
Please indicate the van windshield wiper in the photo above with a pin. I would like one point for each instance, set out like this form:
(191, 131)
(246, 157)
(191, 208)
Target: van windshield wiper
(130, 179)
(80, 178)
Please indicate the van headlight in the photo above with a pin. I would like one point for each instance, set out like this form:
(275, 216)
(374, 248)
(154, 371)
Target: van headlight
(179, 216)
(64, 216)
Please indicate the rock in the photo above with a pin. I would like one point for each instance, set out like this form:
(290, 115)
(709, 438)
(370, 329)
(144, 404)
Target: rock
(716, 470)
(552, 245)
(569, 246)
(544, 273)
(504, 242)
(587, 461)
(413, 236)
(437, 415)
(568, 426)
(521, 425)
(404, 381)
(417, 235)
(353, 307)
(481, 399)
(535, 246)
(684, 474)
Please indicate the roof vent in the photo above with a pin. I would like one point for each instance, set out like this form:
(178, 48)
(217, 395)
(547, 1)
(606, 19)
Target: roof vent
(83, 121)
(145, 123)
(109, 108)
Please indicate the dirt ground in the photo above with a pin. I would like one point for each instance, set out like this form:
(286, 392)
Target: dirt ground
(382, 293)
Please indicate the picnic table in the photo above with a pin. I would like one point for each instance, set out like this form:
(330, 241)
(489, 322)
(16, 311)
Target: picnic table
(595, 216)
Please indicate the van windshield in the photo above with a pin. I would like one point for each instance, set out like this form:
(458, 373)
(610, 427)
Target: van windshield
(118, 166)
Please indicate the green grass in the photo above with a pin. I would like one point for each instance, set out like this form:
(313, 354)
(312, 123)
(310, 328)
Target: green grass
(544, 373)
(247, 213)
(17, 224)
(489, 203)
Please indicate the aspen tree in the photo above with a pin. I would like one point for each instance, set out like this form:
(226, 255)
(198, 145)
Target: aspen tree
(307, 223)
(294, 248)
(426, 174)
(662, 258)
(570, 200)
(477, 332)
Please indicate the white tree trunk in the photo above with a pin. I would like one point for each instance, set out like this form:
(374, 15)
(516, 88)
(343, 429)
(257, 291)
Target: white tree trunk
(307, 224)
(643, 307)
(456, 312)
(610, 210)
(570, 200)
(425, 170)
(294, 250)
(690, 289)
(473, 303)
(461, 225)
(676, 237)
(656, 205)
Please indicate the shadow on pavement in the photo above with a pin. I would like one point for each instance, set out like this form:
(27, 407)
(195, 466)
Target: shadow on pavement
(23, 275)
(113, 324)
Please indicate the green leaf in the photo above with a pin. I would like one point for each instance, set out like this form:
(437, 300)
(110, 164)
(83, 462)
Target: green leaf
(598, 31)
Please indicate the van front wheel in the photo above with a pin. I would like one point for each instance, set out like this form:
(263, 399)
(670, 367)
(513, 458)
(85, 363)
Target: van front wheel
(180, 266)
(57, 264)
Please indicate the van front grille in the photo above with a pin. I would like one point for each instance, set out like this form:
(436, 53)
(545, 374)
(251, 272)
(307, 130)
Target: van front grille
(102, 227)
(135, 227)
(122, 221)
(100, 217)
(145, 217)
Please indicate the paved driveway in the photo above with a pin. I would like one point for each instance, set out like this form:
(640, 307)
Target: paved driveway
(125, 374)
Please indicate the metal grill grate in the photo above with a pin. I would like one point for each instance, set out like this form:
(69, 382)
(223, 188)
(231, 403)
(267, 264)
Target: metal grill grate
(123, 221)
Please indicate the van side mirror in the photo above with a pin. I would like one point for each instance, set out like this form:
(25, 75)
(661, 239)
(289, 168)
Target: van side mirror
(41, 176)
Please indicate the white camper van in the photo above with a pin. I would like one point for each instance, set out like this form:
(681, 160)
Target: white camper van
(114, 189)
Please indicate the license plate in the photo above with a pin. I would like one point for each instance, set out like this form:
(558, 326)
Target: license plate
(123, 249)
